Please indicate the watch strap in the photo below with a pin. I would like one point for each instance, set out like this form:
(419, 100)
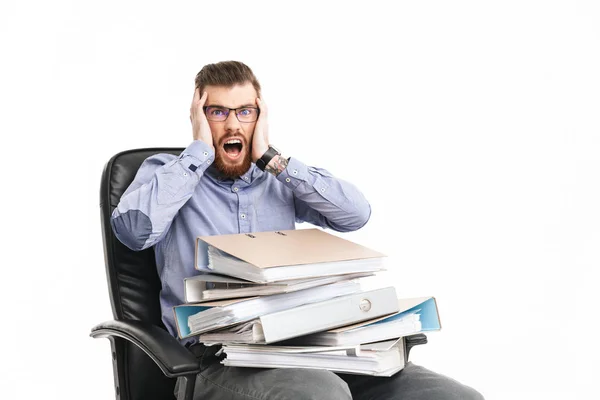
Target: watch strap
(262, 162)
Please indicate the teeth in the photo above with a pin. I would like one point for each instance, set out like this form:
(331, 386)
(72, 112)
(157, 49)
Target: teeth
(233, 141)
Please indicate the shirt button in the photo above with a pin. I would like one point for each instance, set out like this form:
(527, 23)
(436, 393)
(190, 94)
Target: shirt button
(185, 174)
(322, 189)
(287, 179)
(295, 172)
(235, 189)
(243, 216)
(208, 162)
(205, 153)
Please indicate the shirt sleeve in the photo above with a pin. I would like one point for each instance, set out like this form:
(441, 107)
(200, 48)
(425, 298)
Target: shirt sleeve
(162, 185)
(324, 200)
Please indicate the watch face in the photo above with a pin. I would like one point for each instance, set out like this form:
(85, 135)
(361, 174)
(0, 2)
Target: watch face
(275, 148)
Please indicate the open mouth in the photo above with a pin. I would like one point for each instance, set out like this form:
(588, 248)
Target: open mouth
(233, 148)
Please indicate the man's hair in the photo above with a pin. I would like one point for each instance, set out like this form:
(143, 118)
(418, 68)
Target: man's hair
(227, 74)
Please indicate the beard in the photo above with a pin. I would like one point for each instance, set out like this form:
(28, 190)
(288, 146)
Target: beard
(236, 168)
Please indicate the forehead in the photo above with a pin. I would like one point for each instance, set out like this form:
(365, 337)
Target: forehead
(232, 97)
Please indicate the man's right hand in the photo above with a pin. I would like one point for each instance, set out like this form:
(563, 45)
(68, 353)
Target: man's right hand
(200, 126)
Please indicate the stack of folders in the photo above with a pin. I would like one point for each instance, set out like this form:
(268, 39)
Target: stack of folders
(291, 299)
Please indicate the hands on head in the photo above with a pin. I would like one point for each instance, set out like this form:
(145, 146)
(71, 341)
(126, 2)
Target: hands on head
(260, 139)
(201, 128)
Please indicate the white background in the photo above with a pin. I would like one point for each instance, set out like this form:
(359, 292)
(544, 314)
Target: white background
(472, 128)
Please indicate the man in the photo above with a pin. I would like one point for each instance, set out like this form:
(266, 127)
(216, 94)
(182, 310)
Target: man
(231, 180)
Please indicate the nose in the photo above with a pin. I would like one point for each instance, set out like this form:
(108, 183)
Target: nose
(232, 123)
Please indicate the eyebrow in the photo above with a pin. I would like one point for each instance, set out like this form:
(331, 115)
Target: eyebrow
(242, 106)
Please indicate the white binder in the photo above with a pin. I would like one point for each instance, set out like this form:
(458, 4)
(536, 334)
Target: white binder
(419, 314)
(197, 318)
(333, 313)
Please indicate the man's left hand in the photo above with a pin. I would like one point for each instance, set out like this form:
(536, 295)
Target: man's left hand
(260, 140)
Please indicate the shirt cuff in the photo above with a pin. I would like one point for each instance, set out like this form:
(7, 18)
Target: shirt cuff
(294, 174)
(198, 155)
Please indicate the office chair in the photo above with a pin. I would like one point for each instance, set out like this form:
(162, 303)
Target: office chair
(147, 360)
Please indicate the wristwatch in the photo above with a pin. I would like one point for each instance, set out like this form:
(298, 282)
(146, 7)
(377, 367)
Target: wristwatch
(267, 157)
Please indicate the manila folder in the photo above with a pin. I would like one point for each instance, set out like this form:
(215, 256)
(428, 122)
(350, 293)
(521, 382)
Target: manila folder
(289, 247)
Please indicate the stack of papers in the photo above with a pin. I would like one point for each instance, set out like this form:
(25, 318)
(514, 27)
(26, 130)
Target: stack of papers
(298, 288)
(380, 359)
(210, 287)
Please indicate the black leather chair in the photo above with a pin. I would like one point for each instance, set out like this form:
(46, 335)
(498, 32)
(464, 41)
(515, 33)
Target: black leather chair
(147, 360)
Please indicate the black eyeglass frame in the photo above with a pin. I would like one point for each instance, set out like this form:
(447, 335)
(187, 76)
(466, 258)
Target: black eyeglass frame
(236, 113)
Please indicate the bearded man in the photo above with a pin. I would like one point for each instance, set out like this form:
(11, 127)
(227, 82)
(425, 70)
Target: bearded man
(230, 179)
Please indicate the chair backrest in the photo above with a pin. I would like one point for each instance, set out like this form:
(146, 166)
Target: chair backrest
(133, 282)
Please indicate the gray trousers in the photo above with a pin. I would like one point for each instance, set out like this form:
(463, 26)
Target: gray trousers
(217, 382)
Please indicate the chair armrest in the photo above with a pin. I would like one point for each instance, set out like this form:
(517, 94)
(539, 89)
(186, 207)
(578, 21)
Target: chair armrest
(412, 341)
(172, 358)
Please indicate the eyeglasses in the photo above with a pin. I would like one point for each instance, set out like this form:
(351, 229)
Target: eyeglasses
(220, 114)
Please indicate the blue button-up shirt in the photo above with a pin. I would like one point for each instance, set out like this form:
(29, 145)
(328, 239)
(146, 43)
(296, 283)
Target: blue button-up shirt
(174, 199)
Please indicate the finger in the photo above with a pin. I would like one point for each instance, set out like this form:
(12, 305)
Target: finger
(203, 99)
(195, 100)
(262, 106)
